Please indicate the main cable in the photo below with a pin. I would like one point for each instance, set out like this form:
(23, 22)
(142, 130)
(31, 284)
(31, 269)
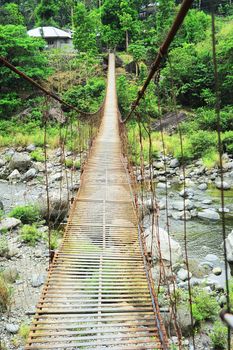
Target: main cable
(186, 5)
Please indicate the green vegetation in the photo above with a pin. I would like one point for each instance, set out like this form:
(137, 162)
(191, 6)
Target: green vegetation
(24, 331)
(38, 155)
(30, 234)
(70, 163)
(28, 214)
(218, 335)
(205, 306)
(5, 295)
(4, 249)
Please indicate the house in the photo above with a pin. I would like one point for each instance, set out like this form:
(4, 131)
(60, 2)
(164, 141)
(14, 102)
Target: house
(148, 10)
(56, 38)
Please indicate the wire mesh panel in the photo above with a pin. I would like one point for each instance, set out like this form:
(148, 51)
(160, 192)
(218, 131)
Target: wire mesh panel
(96, 295)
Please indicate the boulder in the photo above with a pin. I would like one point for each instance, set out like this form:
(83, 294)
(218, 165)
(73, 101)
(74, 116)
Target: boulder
(203, 187)
(187, 193)
(31, 148)
(59, 207)
(12, 328)
(160, 235)
(174, 163)
(29, 175)
(9, 224)
(158, 165)
(20, 161)
(184, 275)
(37, 280)
(56, 177)
(217, 271)
(211, 258)
(208, 214)
(183, 318)
(229, 247)
(14, 176)
(223, 210)
(225, 185)
(2, 162)
(207, 201)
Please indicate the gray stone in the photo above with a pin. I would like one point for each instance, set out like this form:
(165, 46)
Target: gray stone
(59, 206)
(174, 163)
(211, 258)
(37, 280)
(229, 247)
(178, 205)
(187, 193)
(2, 162)
(225, 185)
(158, 165)
(217, 271)
(184, 275)
(14, 176)
(9, 223)
(56, 177)
(38, 253)
(202, 187)
(208, 214)
(12, 328)
(163, 185)
(222, 300)
(31, 148)
(207, 201)
(162, 237)
(228, 166)
(29, 175)
(223, 210)
(20, 161)
(1, 205)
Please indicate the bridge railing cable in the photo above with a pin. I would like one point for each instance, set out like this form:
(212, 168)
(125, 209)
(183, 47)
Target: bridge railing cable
(65, 105)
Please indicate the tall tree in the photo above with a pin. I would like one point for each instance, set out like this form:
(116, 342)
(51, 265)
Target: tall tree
(87, 26)
(10, 14)
(46, 13)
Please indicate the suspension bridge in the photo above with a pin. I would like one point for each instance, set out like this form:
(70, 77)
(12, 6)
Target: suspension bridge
(98, 294)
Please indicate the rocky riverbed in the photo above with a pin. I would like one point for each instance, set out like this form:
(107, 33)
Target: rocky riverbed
(203, 214)
(24, 267)
(22, 181)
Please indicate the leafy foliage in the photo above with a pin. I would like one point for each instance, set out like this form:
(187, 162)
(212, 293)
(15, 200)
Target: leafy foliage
(28, 214)
(30, 234)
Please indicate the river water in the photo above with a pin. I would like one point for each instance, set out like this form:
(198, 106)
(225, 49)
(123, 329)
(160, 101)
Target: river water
(203, 236)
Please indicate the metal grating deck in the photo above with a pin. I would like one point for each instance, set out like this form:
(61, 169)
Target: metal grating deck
(96, 295)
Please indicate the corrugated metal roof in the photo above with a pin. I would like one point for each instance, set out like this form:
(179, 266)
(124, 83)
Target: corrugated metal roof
(48, 32)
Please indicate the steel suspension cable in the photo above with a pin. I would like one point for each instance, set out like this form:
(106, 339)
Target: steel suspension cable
(66, 105)
(186, 5)
(174, 298)
(220, 151)
(173, 96)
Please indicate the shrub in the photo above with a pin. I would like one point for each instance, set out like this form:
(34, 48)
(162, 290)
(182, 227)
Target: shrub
(30, 234)
(38, 155)
(5, 295)
(4, 249)
(201, 142)
(218, 335)
(54, 239)
(27, 214)
(69, 163)
(211, 159)
(204, 305)
(24, 331)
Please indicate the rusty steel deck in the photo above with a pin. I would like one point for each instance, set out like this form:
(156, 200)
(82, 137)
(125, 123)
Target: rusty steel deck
(97, 295)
